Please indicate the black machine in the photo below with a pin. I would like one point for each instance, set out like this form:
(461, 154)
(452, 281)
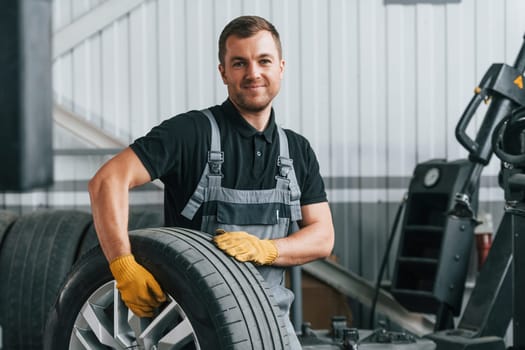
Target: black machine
(432, 260)
(440, 218)
(509, 146)
(488, 312)
(434, 249)
(437, 232)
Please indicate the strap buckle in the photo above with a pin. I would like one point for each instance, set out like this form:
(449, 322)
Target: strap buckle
(215, 160)
(285, 166)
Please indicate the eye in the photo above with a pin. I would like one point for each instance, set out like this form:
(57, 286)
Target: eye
(238, 64)
(266, 61)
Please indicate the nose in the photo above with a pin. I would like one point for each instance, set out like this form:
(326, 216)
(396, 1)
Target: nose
(253, 71)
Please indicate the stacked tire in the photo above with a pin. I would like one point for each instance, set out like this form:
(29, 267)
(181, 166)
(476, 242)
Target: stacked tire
(58, 293)
(36, 254)
(37, 251)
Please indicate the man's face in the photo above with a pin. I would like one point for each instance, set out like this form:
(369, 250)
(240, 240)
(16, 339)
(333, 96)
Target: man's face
(252, 71)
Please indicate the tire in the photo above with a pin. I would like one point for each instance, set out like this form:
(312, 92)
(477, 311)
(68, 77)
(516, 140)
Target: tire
(137, 220)
(221, 303)
(7, 219)
(36, 256)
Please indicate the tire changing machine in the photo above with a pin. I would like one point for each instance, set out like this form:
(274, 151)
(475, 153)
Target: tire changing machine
(437, 234)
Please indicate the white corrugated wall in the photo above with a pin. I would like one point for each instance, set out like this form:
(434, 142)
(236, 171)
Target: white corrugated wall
(376, 86)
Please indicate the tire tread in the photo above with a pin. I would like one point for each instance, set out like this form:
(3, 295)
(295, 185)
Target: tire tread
(35, 259)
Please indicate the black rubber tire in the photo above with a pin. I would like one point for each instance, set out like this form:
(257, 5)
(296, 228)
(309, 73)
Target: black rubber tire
(227, 302)
(36, 256)
(137, 219)
(7, 218)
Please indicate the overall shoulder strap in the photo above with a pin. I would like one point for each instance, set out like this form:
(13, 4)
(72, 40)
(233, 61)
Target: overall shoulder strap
(215, 133)
(212, 170)
(286, 179)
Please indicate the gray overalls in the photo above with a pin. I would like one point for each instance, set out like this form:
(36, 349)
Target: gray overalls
(267, 214)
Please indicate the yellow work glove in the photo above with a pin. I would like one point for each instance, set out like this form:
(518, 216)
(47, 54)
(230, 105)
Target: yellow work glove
(246, 247)
(138, 288)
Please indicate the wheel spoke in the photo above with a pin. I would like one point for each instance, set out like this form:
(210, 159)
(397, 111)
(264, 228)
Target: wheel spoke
(155, 329)
(105, 321)
(178, 337)
(99, 323)
(137, 325)
(122, 330)
(85, 339)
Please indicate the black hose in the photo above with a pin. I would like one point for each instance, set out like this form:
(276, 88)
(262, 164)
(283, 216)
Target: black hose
(385, 260)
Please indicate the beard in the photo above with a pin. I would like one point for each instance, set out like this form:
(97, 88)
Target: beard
(251, 104)
(250, 101)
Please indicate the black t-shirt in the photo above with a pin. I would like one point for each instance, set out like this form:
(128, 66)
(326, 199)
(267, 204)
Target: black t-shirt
(176, 152)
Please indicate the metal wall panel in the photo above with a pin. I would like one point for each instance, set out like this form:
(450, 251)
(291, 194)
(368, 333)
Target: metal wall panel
(376, 87)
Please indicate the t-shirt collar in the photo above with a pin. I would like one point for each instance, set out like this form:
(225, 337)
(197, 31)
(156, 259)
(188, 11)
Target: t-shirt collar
(244, 128)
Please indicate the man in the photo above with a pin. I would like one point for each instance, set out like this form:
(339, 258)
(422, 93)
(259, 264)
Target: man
(229, 171)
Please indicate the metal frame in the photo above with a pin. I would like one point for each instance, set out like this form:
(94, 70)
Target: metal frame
(92, 22)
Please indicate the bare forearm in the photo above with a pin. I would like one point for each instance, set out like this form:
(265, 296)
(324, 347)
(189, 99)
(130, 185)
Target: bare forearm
(315, 240)
(109, 192)
(109, 203)
(303, 246)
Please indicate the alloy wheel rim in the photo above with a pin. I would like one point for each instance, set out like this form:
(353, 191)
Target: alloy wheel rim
(105, 321)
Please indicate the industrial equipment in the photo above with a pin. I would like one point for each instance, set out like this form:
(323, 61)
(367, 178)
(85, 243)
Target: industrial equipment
(438, 227)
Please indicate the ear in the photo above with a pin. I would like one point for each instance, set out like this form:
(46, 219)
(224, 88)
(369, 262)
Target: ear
(223, 73)
(281, 66)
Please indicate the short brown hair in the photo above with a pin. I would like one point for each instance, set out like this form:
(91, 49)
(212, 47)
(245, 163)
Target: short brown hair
(245, 27)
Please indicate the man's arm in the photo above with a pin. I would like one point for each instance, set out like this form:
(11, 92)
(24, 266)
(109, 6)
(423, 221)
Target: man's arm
(109, 194)
(313, 241)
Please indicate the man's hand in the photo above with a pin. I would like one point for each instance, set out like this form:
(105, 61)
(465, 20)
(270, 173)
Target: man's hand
(138, 288)
(246, 247)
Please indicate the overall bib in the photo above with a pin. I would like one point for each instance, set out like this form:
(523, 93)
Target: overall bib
(267, 214)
